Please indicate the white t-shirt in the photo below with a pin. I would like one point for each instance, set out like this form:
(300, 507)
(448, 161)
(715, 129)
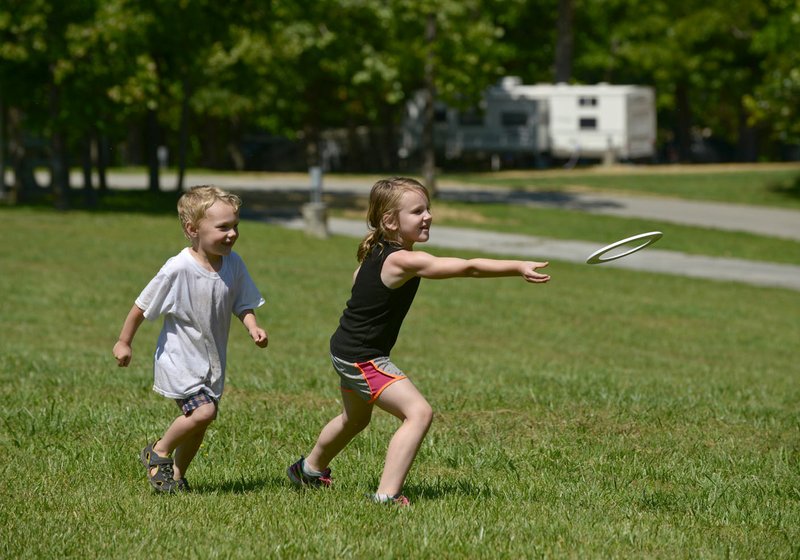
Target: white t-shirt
(197, 305)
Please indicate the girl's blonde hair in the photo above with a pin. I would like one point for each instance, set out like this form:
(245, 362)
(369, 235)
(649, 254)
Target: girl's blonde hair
(384, 198)
(194, 203)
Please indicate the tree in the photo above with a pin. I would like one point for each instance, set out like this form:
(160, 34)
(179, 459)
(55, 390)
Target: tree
(453, 51)
(529, 37)
(564, 41)
(33, 46)
(697, 54)
(775, 101)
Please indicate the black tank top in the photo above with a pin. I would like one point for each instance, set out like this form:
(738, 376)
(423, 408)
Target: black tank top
(374, 314)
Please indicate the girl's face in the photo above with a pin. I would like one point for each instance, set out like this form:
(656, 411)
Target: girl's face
(216, 233)
(412, 222)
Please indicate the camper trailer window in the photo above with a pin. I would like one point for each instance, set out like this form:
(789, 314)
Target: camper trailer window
(587, 101)
(515, 118)
(588, 123)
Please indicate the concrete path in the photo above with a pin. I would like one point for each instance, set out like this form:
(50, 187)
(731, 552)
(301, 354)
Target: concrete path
(773, 222)
(650, 260)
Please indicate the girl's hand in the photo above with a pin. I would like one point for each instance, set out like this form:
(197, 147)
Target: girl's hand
(260, 337)
(122, 353)
(528, 271)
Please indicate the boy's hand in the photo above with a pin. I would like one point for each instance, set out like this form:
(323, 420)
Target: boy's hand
(529, 272)
(260, 337)
(122, 352)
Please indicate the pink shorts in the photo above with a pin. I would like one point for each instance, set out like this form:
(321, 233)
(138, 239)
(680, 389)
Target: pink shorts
(368, 379)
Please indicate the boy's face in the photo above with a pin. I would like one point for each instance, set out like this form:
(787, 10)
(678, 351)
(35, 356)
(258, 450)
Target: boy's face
(216, 233)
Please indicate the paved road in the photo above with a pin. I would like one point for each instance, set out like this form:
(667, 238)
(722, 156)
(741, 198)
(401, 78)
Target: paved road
(651, 260)
(732, 217)
(773, 222)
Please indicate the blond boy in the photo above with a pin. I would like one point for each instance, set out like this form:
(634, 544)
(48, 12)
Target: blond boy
(196, 292)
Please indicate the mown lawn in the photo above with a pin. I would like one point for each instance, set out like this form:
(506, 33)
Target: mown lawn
(608, 414)
(769, 185)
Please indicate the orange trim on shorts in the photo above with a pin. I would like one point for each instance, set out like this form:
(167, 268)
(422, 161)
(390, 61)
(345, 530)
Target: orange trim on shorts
(370, 371)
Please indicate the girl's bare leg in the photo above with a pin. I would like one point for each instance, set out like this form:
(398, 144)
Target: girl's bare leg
(184, 437)
(403, 400)
(340, 431)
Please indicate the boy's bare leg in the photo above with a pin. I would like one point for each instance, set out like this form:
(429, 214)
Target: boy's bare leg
(340, 431)
(184, 436)
(403, 400)
(186, 451)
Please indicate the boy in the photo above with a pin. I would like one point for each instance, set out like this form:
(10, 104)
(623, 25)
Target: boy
(196, 291)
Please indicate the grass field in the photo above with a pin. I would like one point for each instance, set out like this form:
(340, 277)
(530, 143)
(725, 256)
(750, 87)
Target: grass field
(608, 414)
(768, 185)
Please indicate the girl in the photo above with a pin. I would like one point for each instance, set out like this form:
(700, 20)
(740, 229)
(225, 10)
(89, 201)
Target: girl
(384, 286)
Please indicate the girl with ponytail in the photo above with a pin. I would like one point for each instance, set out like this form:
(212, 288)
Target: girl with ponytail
(384, 286)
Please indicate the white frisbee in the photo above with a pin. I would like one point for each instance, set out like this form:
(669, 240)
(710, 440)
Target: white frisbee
(599, 256)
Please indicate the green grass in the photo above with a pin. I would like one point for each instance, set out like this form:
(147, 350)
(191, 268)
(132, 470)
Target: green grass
(608, 414)
(777, 185)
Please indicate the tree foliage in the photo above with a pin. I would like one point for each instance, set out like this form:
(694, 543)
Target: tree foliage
(197, 75)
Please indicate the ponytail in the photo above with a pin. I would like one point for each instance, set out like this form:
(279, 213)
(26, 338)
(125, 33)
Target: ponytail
(366, 245)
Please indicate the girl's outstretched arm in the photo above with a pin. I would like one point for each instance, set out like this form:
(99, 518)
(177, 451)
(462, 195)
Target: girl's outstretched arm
(403, 265)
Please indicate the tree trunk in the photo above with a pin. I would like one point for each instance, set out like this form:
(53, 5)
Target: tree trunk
(151, 149)
(389, 144)
(683, 121)
(748, 138)
(59, 171)
(183, 137)
(24, 178)
(564, 41)
(3, 136)
(89, 194)
(101, 144)
(429, 93)
(233, 147)
(355, 154)
(313, 155)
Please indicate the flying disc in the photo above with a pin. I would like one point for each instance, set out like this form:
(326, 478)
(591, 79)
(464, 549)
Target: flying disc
(647, 238)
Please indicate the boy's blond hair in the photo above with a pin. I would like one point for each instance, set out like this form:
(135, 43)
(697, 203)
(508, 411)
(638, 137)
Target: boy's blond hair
(194, 203)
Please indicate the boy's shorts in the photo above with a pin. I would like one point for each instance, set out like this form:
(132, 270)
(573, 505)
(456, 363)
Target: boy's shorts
(189, 404)
(367, 379)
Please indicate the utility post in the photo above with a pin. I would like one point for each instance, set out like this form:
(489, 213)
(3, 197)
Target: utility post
(315, 212)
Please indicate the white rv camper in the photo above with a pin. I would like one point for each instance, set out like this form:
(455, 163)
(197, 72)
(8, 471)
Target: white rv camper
(596, 121)
(501, 124)
(592, 121)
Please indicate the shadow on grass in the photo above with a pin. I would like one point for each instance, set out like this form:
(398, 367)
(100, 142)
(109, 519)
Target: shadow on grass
(129, 201)
(239, 486)
(281, 205)
(444, 488)
(787, 189)
(261, 205)
(553, 199)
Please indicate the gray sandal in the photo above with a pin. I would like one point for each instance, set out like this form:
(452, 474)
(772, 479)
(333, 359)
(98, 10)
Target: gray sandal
(182, 486)
(162, 480)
